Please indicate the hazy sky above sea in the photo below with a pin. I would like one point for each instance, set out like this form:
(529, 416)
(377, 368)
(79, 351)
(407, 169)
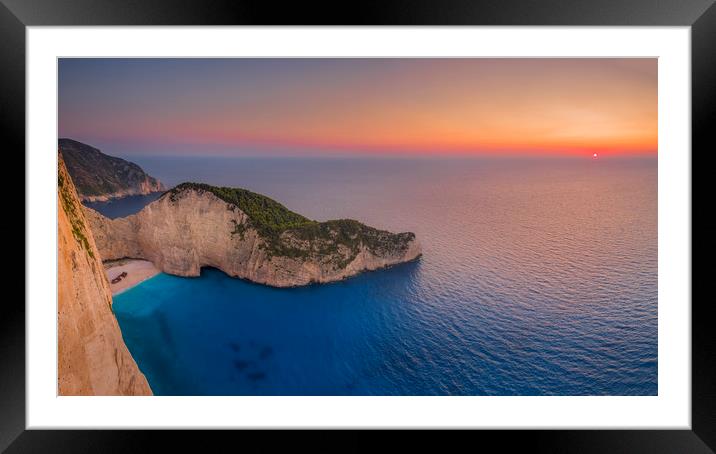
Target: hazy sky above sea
(278, 107)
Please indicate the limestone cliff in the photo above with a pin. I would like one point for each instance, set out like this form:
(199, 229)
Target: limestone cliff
(100, 177)
(92, 357)
(246, 235)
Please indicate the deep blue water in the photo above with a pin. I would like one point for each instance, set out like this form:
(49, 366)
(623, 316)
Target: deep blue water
(539, 277)
(119, 208)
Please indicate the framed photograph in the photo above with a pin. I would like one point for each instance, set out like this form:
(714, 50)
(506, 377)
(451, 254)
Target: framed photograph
(474, 217)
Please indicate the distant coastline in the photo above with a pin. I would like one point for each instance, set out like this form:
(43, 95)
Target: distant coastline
(99, 177)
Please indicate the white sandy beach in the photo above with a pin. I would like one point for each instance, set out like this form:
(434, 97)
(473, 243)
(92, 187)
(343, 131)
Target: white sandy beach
(137, 271)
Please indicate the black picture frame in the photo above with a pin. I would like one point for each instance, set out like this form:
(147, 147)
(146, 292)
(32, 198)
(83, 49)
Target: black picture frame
(700, 15)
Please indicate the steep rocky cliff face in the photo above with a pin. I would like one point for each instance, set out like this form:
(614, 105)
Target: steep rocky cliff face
(92, 357)
(99, 177)
(246, 235)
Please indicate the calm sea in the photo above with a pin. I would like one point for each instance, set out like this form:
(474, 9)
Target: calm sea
(539, 277)
(119, 208)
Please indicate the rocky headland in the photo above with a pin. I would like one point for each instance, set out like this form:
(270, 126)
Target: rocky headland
(246, 235)
(100, 177)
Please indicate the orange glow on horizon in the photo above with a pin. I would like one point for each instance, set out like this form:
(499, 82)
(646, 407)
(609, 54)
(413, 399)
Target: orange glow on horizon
(424, 106)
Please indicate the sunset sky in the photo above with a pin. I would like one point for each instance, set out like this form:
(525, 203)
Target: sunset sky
(360, 106)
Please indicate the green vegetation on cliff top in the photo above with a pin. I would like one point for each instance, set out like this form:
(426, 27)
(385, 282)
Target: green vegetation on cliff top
(289, 234)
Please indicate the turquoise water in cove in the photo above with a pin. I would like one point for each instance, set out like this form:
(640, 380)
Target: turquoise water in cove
(539, 277)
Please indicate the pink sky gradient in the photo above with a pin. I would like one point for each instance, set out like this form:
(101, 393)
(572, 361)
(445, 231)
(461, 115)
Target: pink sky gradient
(361, 106)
